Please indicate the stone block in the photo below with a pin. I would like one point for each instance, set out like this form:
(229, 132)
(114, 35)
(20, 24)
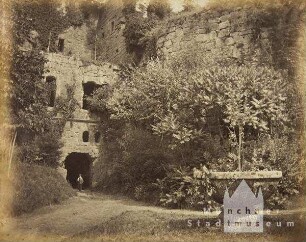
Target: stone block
(224, 33)
(229, 41)
(171, 35)
(179, 33)
(219, 42)
(203, 30)
(246, 32)
(213, 20)
(224, 18)
(209, 46)
(224, 25)
(213, 26)
(213, 35)
(168, 44)
(235, 34)
(202, 38)
(264, 34)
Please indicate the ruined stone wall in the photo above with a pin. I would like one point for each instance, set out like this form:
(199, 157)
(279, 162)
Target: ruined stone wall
(111, 42)
(78, 42)
(70, 70)
(211, 30)
(100, 37)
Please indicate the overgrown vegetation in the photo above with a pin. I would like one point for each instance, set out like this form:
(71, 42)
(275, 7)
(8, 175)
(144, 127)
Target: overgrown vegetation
(206, 111)
(167, 120)
(35, 15)
(36, 186)
(137, 27)
(38, 133)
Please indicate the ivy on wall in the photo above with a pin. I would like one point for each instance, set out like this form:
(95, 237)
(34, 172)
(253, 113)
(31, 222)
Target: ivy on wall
(38, 133)
(48, 18)
(137, 27)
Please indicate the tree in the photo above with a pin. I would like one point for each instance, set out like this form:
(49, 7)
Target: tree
(175, 98)
(39, 133)
(160, 8)
(251, 96)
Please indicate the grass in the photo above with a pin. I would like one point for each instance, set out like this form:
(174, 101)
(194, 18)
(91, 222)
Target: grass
(35, 186)
(150, 226)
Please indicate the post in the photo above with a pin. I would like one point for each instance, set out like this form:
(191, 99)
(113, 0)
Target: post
(11, 154)
(49, 42)
(239, 148)
(95, 46)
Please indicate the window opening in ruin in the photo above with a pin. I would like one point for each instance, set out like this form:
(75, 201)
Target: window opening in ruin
(61, 45)
(79, 163)
(97, 137)
(88, 88)
(113, 25)
(51, 83)
(85, 136)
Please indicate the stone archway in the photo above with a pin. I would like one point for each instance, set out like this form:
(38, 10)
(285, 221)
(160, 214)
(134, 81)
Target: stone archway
(79, 163)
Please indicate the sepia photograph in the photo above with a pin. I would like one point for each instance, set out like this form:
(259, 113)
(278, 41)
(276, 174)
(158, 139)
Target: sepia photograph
(152, 120)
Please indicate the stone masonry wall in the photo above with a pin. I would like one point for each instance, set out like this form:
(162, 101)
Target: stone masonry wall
(212, 29)
(71, 71)
(76, 42)
(111, 42)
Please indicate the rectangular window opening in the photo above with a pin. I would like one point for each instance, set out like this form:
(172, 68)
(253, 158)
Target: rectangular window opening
(61, 45)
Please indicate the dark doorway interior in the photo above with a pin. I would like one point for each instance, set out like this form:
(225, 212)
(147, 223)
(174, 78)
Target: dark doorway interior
(78, 163)
(61, 45)
(89, 88)
(51, 82)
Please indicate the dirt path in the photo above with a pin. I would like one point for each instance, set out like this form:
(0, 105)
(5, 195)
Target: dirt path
(80, 214)
(97, 217)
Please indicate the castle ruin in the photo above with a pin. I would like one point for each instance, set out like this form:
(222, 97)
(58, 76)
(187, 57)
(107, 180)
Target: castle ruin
(79, 47)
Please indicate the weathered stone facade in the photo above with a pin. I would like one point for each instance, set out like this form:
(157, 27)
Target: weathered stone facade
(100, 37)
(208, 29)
(211, 30)
(75, 42)
(69, 70)
(110, 40)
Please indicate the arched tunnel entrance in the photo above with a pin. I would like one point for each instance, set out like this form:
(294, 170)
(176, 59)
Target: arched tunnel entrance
(79, 163)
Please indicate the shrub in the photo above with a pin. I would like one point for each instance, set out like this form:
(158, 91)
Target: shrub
(279, 153)
(131, 163)
(183, 188)
(178, 98)
(36, 186)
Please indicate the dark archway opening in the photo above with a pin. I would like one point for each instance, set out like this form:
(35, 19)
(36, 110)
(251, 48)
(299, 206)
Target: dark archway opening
(79, 163)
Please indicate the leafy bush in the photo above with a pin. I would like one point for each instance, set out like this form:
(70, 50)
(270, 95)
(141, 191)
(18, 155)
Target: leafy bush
(208, 109)
(279, 153)
(187, 188)
(166, 94)
(36, 15)
(36, 186)
(160, 8)
(43, 149)
(131, 163)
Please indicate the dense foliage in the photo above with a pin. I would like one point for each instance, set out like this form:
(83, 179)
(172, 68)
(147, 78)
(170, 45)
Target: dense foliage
(36, 15)
(131, 161)
(36, 186)
(182, 188)
(204, 109)
(137, 27)
(38, 133)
